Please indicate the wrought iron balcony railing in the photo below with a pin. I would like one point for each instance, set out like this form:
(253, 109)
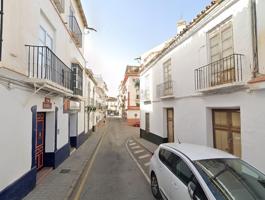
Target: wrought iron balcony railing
(44, 64)
(165, 89)
(224, 71)
(75, 30)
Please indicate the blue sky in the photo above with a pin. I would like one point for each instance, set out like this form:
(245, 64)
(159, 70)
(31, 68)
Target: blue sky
(128, 28)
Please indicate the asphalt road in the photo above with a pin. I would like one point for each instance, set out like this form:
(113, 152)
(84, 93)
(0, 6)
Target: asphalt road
(114, 175)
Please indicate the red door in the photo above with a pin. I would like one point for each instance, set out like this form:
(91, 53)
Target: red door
(40, 140)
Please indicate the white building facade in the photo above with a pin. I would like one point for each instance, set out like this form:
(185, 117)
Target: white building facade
(41, 87)
(206, 86)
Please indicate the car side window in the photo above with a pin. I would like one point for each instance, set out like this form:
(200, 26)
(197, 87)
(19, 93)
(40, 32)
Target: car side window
(181, 169)
(199, 193)
(166, 157)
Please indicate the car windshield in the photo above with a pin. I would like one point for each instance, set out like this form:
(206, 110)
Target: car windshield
(232, 179)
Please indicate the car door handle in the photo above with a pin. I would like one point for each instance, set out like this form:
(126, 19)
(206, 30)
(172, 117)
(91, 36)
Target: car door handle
(175, 185)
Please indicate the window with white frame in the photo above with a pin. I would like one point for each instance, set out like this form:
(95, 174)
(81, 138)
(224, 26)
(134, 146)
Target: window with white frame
(147, 87)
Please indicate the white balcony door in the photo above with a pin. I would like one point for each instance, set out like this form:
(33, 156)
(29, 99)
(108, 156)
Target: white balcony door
(45, 56)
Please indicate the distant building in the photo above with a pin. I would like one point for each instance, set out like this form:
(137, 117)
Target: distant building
(130, 95)
(112, 106)
(100, 99)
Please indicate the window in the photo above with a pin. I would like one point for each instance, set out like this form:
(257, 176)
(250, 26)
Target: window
(77, 79)
(232, 179)
(45, 57)
(60, 4)
(221, 51)
(167, 71)
(221, 42)
(167, 78)
(45, 39)
(182, 171)
(146, 91)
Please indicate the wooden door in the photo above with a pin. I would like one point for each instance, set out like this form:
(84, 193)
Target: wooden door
(170, 124)
(227, 134)
(40, 140)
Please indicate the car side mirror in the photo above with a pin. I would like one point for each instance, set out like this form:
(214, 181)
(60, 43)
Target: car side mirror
(191, 189)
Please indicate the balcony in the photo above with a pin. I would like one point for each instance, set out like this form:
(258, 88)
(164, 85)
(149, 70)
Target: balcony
(75, 31)
(165, 90)
(45, 67)
(223, 73)
(60, 4)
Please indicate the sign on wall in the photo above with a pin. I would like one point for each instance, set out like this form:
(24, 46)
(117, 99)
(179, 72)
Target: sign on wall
(47, 104)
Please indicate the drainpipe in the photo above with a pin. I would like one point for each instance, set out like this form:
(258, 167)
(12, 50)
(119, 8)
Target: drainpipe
(255, 70)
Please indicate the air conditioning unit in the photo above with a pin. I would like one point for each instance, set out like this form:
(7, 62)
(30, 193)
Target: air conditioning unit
(60, 5)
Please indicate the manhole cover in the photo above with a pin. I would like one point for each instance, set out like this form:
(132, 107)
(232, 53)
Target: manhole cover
(65, 171)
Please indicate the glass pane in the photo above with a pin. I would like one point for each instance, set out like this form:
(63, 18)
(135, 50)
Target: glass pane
(236, 119)
(221, 118)
(221, 140)
(234, 178)
(237, 144)
(183, 172)
(42, 37)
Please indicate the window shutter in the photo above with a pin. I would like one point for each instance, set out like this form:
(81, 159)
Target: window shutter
(227, 40)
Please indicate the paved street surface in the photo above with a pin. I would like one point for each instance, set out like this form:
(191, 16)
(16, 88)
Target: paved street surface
(140, 154)
(114, 174)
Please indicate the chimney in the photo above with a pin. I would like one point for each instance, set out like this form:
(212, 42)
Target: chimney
(181, 24)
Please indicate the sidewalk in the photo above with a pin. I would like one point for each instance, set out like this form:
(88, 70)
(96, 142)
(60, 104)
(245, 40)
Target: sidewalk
(59, 184)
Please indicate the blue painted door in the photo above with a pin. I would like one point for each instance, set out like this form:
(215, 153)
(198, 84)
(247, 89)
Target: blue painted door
(40, 140)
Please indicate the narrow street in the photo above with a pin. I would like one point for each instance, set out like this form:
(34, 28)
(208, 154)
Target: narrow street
(114, 174)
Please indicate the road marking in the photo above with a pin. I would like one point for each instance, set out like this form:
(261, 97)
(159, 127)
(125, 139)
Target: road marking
(147, 164)
(139, 166)
(136, 147)
(132, 144)
(144, 156)
(139, 151)
(88, 168)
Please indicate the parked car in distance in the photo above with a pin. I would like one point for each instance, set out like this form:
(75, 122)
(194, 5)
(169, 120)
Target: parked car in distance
(187, 171)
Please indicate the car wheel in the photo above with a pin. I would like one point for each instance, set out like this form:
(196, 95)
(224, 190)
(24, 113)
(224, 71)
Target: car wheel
(155, 187)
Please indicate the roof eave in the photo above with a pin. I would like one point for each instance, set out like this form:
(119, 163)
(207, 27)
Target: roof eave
(81, 10)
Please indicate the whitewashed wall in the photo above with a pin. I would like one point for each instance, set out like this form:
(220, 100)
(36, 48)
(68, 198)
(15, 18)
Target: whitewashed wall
(192, 120)
(16, 130)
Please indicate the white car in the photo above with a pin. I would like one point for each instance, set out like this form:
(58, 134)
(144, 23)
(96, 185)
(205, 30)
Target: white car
(187, 171)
